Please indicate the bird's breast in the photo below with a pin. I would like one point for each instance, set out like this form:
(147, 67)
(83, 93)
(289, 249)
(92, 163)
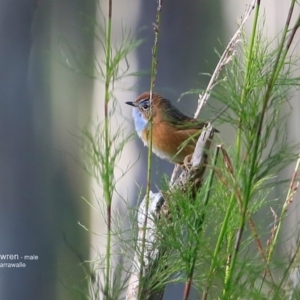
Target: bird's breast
(168, 142)
(140, 123)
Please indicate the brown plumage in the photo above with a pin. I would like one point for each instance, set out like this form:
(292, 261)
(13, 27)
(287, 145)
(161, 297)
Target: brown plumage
(174, 135)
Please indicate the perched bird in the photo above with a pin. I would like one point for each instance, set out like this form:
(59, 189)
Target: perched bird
(174, 135)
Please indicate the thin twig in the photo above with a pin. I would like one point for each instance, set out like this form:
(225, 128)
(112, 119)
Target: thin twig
(252, 226)
(289, 198)
(149, 160)
(107, 181)
(225, 58)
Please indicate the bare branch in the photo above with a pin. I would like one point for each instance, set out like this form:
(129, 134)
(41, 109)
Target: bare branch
(225, 58)
(190, 177)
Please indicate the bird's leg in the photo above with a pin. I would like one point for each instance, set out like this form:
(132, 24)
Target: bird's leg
(187, 162)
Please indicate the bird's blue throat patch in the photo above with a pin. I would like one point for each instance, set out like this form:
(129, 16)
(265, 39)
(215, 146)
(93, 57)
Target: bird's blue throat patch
(139, 121)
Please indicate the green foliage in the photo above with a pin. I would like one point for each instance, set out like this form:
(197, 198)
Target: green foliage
(215, 240)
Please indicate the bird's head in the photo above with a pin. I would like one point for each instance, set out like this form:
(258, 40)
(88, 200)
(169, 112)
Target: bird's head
(143, 103)
(141, 110)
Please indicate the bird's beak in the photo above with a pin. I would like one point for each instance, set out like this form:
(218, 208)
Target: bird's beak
(131, 103)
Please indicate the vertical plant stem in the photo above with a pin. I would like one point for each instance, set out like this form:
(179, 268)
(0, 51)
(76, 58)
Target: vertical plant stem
(246, 81)
(223, 60)
(287, 201)
(199, 226)
(218, 247)
(238, 147)
(279, 62)
(149, 158)
(292, 267)
(107, 172)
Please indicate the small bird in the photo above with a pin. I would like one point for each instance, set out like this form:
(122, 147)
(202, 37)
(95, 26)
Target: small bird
(174, 135)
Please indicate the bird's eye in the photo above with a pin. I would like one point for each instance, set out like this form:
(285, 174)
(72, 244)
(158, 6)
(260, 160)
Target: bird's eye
(145, 106)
